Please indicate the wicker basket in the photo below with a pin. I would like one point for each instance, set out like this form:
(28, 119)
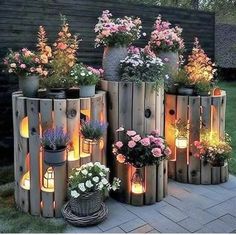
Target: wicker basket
(86, 204)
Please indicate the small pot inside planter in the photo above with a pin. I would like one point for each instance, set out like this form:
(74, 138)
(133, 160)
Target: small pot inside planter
(55, 157)
(72, 93)
(203, 93)
(87, 145)
(217, 163)
(56, 93)
(87, 91)
(29, 85)
(185, 90)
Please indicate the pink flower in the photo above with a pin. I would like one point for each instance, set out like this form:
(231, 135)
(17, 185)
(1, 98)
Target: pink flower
(159, 141)
(136, 138)
(156, 152)
(155, 132)
(23, 66)
(131, 133)
(167, 151)
(145, 141)
(197, 144)
(119, 144)
(131, 144)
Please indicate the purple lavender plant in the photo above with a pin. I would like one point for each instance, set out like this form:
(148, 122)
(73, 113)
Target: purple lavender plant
(55, 139)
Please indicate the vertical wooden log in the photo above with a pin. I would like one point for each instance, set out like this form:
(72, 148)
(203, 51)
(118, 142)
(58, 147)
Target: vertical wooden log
(224, 173)
(138, 108)
(47, 204)
(222, 115)
(206, 112)
(160, 182)
(150, 184)
(24, 200)
(205, 173)
(34, 150)
(165, 176)
(182, 154)
(60, 184)
(162, 108)
(96, 155)
(170, 117)
(137, 199)
(215, 175)
(172, 169)
(194, 134)
(216, 108)
(152, 110)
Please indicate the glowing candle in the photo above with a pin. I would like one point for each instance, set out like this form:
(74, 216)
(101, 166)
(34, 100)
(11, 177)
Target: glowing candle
(181, 142)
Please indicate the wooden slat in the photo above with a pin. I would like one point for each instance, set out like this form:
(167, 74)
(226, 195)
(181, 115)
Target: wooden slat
(60, 172)
(150, 184)
(160, 182)
(206, 112)
(222, 115)
(172, 169)
(165, 176)
(138, 107)
(205, 173)
(137, 199)
(24, 203)
(162, 112)
(215, 175)
(182, 154)
(47, 204)
(96, 154)
(104, 119)
(216, 105)
(35, 157)
(194, 134)
(224, 173)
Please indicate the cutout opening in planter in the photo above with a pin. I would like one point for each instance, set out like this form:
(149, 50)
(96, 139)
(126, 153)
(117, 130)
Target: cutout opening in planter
(25, 181)
(24, 127)
(137, 182)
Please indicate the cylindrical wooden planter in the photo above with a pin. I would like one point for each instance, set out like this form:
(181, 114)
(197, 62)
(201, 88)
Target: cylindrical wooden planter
(199, 112)
(139, 108)
(36, 191)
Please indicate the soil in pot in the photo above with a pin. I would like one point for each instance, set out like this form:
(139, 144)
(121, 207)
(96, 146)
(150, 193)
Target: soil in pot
(56, 93)
(72, 93)
(55, 157)
(29, 86)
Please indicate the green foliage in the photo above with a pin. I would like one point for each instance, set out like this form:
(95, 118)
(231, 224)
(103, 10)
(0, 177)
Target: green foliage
(181, 78)
(203, 86)
(6, 174)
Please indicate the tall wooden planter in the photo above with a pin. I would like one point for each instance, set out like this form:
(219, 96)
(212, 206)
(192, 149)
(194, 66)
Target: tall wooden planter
(139, 108)
(199, 112)
(31, 116)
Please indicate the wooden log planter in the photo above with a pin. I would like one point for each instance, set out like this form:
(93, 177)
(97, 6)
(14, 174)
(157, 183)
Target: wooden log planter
(40, 189)
(139, 108)
(198, 112)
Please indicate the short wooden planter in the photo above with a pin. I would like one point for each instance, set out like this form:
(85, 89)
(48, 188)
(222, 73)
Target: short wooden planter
(155, 179)
(199, 112)
(40, 190)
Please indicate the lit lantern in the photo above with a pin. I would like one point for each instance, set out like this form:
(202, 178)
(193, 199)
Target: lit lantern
(137, 186)
(71, 154)
(48, 180)
(24, 127)
(181, 142)
(25, 183)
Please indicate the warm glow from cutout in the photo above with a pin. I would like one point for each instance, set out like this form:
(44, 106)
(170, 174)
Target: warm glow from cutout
(101, 144)
(137, 182)
(181, 142)
(137, 188)
(24, 127)
(85, 112)
(48, 180)
(25, 181)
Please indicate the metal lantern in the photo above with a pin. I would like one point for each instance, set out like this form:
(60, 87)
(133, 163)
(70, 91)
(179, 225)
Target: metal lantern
(48, 180)
(181, 142)
(137, 183)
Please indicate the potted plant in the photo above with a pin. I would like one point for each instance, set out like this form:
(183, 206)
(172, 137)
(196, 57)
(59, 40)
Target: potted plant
(59, 60)
(91, 132)
(213, 150)
(167, 43)
(184, 84)
(54, 143)
(115, 35)
(203, 88)
(140, 151)
(86, 186)
(25, 64)
(86, 78)
(142, 65)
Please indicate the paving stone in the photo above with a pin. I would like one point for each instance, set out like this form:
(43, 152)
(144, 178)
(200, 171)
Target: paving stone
(133, 224)
(230, 184)
(190, 224)
(173, 213)
(115, 230)
(144, 229)
(230, 220)
(154, 231)
(216, 226)
(72, 229)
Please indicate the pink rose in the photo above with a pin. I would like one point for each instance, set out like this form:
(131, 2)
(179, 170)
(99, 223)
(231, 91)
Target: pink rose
(131, 133)
(131, 144)
(156, 152)
(23, 66)
(119, 144)
(136, 138)
(167, 151)
(145, 141)
(159, 141)
(155, 132)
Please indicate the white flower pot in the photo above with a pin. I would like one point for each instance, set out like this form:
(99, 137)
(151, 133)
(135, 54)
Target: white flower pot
(87, 91)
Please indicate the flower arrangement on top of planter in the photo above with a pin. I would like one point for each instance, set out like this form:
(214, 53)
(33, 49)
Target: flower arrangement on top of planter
(115, 35)
(142, 65)
(92, 132)
(87, 185)
(213, 150)
(54, 143)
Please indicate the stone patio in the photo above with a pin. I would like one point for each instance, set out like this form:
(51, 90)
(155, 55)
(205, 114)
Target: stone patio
(188, 208)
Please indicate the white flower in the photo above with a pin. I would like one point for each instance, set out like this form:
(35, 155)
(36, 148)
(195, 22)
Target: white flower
(97, 164)
(100, 186)
(76, 173)
(104, 181)
(90, 174)
(81, 187)
(101, 174)
(82, 74)
(95, 179)
(90, 164)
(13, 65)
(74, 194)
(90, 73)
(89, 184)
(84, 172)
(144, 34)
(10, 70)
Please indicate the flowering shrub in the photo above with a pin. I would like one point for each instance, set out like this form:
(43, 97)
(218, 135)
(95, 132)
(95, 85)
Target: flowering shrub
(61, 58)
(200, 67)
(116, 32)
(55, 139)
(23, 63)
(213, 150)
(83, 75)
(141, 151)
(165, 38)
(181, 128)
(89, 178)
(93, 130)
(141, 65)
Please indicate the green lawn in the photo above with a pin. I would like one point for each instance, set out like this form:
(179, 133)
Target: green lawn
(230, 88)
